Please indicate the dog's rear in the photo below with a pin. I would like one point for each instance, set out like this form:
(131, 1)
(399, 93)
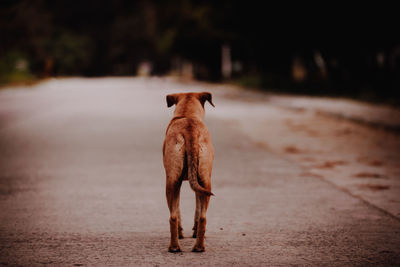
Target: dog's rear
(188, 155)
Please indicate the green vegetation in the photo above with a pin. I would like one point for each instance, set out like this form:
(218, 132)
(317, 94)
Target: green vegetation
(14, 68)
(289, 50)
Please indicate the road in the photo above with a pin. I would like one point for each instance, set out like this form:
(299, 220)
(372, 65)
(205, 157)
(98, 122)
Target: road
(82, 181)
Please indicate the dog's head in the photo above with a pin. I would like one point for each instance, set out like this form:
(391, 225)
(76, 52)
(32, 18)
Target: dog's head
(175, 99)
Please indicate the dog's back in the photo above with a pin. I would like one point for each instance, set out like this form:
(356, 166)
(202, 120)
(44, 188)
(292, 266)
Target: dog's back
(188, 148)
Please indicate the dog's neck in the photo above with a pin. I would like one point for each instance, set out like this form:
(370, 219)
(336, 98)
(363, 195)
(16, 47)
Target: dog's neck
(189, 108)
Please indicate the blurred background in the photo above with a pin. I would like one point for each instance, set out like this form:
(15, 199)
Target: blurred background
(332, 50)
(299, 180)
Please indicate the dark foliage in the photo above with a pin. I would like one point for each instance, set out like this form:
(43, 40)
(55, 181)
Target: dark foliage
(337, 49)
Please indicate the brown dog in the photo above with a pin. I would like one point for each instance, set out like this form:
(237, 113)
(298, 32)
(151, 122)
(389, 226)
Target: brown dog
(188, 154)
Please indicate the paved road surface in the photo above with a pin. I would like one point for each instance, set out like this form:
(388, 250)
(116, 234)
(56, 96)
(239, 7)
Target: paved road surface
(82, 183)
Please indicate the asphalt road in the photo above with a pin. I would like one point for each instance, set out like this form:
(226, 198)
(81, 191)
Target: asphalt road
(82, 183)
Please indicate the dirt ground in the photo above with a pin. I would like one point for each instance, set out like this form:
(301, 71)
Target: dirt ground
(82, 182)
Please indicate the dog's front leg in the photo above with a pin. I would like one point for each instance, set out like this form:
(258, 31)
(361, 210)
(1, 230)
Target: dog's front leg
(173, 191)
(180, 229)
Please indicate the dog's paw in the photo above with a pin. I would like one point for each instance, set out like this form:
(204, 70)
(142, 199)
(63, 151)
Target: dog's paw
(198, 249)
(174, 249)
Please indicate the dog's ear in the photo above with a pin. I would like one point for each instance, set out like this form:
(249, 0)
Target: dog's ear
(172, 100)
(205, 96)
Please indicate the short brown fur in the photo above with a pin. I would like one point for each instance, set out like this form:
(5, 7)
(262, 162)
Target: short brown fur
(188, 154)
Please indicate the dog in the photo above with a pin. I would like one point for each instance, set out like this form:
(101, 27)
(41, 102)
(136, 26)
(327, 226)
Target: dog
(188, 154)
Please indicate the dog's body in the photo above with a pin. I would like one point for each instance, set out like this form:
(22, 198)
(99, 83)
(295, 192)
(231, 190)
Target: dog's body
(188, 154)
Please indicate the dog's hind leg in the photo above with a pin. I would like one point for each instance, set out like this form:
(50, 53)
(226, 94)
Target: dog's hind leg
(196, 216)
(201, 224)
(173, 192)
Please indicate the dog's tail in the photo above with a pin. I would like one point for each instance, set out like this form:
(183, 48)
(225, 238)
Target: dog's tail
(192, 153)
